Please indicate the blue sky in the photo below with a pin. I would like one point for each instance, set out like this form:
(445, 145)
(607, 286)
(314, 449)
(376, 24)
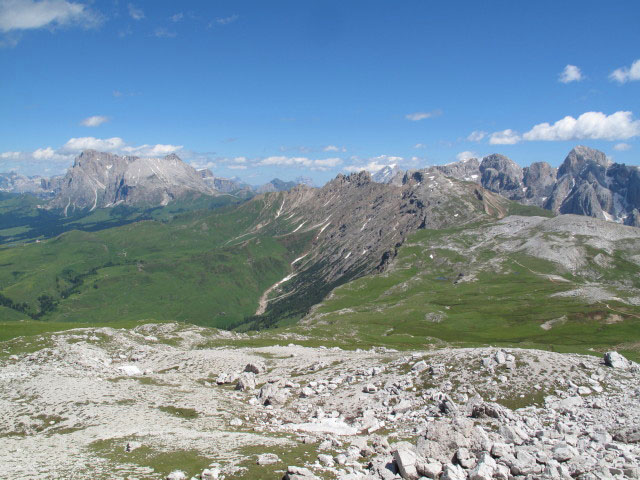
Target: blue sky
(313, 88)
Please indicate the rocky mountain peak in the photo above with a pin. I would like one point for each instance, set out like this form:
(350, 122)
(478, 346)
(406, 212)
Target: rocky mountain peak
(356, 178)
(101, 179)
(172, 157)
(581, 158)
(500, 173)
(88, 157)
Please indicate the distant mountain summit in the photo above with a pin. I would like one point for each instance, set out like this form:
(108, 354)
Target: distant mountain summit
(13, 182)
(99, 179)
(386, 174)
(587, 183)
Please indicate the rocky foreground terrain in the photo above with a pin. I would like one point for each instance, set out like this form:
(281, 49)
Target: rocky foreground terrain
(173, 401)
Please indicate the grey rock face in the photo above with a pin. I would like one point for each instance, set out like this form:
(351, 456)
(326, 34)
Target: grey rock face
(468, 170)
(502, 175)
(99, 179)
(539, 179)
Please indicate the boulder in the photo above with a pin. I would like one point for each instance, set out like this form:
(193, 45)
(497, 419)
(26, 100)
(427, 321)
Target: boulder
(484, 469)
(299, 473)
(465, 458)
(256, 367)
(429, 469)
(453, 472)
(615, 360)
(405, 458)
(246, 381)
(270, 394)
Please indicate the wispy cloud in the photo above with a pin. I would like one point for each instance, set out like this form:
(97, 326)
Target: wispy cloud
(622, 147)
(334, 148)
(94, 121)
(318, 164)
(571, 73)
(476, 136)
(224, 20)
(626, 74)
(417, 116)
(177, 17)
(373, 164)
(162, 32)
(135, 12)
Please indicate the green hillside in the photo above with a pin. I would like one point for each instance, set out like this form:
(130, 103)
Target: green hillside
(428, 297)
(22, 220)
(187, 269)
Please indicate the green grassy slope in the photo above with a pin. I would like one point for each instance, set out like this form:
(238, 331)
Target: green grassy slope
(21, 220)
(186, 269)
(422, 300)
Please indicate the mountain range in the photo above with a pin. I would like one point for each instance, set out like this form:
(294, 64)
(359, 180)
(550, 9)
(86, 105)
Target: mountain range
(586, 183)
(426, 254)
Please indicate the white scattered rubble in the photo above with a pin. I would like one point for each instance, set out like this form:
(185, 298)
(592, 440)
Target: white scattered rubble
(87, 402)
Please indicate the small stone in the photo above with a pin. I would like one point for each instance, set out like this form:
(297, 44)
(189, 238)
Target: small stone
(256, 367)
(177, 475)
(267, 459)
(326, 460)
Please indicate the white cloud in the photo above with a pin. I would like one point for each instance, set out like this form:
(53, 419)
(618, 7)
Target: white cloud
(571, 73)
(177, 17)
(47, 158)
(626, 74)
(158, 150)
(35, 161)
(94, 121)
(374, 164)
(44, 153)
(237, 167)
(326, 163)
(321, 164)
(334, 148)
(504, 137)
(622, 147)
(10, 155)
(75, 145)
(419, 145)
(30, 14)
(466, 155)
(589, 125)
(417, 116)
(135, 12)
(476, 136)
(239, 160)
